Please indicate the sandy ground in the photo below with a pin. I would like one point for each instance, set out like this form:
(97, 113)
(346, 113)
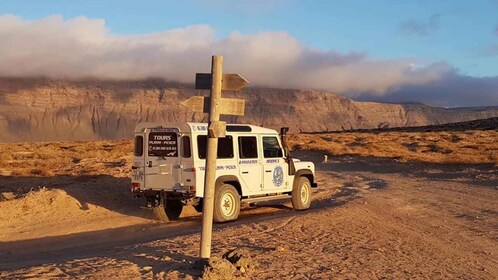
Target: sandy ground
(370, 219)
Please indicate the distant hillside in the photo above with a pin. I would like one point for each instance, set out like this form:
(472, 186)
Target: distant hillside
(46, 110)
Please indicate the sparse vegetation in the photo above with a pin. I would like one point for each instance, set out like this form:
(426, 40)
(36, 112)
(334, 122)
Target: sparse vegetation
(434, 147)
(91, 158)
(65, 158)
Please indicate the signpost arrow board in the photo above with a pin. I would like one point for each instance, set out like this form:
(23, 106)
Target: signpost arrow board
(232, 106)
(198, 104)
(233, 82)
(228, 82)
(203, 80)
(228, 106)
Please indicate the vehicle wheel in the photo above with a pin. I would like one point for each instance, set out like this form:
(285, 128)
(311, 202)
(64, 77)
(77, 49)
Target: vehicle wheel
(160, 213)
(198, 206)
(173, 209)
(226, 204)
(301, 194)
(169, 212)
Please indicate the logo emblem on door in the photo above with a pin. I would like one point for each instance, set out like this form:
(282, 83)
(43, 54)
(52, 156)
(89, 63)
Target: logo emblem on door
(278, 176)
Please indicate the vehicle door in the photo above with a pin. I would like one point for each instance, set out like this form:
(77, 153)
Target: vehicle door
(274, 165)
(250, 166)
(162, 159)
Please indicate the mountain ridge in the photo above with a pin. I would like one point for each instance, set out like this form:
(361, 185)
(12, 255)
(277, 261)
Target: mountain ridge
(52, 110)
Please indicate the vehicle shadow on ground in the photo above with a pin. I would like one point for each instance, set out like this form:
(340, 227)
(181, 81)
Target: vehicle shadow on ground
(119, 242)
(109, 192)
(485, 175)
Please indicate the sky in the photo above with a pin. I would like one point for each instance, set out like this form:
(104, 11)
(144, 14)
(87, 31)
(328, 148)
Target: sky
(442, 53)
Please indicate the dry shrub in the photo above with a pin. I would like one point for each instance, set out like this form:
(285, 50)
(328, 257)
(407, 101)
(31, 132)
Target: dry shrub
(43, 159)
(434, 147)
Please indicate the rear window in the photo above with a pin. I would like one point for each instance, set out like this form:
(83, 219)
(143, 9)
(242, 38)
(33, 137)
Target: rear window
(139, 146)
(163, 144)
(225, 146)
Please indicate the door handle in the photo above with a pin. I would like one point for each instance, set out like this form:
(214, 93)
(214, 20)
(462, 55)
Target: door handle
(267, 171)
(245, 172)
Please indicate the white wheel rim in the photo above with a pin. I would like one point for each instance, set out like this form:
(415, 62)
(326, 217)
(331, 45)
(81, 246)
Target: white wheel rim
(305, 194)
(228, 204)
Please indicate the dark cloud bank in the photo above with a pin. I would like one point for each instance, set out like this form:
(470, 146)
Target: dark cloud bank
(452, 90)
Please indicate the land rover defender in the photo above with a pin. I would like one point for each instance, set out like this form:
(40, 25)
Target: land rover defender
(253, 164)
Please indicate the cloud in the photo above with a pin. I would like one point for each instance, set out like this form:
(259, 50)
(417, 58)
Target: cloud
(420, 28)
(84, 48)
(489, 50)
(453, 90)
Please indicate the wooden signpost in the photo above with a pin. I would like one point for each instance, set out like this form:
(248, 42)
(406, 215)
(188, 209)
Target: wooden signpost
(215, 105)
(229, 81)
(229, 106)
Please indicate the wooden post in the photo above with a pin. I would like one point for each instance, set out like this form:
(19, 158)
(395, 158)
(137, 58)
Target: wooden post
(216, 81)
(212, 150)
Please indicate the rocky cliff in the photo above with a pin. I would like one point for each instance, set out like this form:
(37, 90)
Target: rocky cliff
(46, 110)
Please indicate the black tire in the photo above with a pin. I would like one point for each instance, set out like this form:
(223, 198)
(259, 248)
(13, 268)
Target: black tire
(301, 194)
(168, 212)
(226, 204)
(198, 207)
(173, 209)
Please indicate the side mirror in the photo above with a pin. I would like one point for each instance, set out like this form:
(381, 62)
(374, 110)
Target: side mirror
(283, 138)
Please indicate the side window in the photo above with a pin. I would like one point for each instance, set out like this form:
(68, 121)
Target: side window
(139, 146)
(186, 151)
(201, 146)
(248, 147)
(225, 146)
(271, 148)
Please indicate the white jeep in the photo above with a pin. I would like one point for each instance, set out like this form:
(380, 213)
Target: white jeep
(169, 166)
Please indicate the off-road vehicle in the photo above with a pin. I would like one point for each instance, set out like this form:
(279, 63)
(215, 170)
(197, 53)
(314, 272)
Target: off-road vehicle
(253, 165)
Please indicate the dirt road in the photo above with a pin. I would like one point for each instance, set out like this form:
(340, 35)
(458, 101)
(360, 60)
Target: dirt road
(371, 219)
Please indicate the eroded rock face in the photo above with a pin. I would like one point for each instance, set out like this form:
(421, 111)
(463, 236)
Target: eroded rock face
(45, 110)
